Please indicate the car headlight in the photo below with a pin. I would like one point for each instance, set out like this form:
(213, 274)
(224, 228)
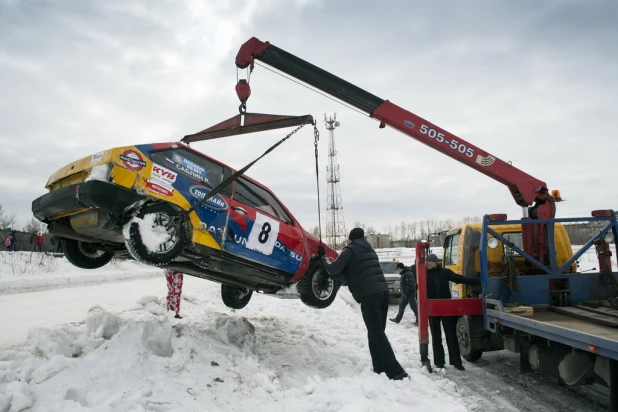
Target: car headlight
(492, 243)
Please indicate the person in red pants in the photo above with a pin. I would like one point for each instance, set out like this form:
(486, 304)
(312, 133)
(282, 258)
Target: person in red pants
(174, 291)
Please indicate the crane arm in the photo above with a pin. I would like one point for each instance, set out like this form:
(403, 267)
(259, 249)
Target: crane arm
(525, 189)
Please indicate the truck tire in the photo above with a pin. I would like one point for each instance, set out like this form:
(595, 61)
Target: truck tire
(235, 298)
(85, 255)
(137, 241)
(464, 338)
(316, 290)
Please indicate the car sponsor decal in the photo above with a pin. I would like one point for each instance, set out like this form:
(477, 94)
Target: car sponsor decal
(163, 174)
(189, 165)
(159, 187)
(216, 202)
(263, 236)
(96, 157)
(133, 160)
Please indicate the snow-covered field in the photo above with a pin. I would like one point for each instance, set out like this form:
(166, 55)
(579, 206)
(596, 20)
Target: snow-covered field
(113, 347)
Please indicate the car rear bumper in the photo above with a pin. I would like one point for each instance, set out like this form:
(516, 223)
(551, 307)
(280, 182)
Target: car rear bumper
(109, 197)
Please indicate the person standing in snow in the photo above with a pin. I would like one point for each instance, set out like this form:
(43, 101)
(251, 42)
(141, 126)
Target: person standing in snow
(13, 245)
(438, 279)
(33, 237)
(39, 242)
(7, 242)
(408, 292)
(359, 265)
(174, 291)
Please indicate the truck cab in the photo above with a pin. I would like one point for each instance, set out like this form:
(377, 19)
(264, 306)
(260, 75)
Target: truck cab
(461, 254)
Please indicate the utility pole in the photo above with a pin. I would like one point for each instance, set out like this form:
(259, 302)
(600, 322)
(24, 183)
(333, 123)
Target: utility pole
(335, 223)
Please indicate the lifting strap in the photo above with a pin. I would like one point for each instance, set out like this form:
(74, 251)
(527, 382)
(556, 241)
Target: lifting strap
(216, 190)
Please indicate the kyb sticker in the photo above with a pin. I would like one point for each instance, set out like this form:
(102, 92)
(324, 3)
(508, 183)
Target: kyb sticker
(162, 174)
(159, 187)
(132, 160)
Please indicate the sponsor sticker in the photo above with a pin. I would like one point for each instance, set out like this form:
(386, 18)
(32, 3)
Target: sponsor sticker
(159, 187)
(486, 160)
(133, 160)
(96, 157)
(163, 174)
(216, 202)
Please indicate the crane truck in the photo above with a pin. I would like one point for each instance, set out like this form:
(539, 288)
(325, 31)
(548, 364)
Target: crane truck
(532, 300)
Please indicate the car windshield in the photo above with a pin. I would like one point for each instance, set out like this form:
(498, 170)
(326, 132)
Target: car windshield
(389, 267)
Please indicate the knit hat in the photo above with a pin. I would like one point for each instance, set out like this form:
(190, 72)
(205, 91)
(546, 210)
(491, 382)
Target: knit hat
(356, 233)
(432, 258)
(400, 266)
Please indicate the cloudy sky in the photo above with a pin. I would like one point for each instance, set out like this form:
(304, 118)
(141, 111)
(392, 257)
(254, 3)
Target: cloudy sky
(534, 83)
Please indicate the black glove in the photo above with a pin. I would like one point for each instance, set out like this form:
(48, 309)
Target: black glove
(321, 251)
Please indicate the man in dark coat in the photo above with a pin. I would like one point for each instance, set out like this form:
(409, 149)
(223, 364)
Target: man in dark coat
(438, 288)
(359, 266)
(408, 293)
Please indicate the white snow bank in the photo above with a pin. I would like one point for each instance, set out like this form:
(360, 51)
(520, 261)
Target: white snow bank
(30, 271)
(17, 397)
(273, 355)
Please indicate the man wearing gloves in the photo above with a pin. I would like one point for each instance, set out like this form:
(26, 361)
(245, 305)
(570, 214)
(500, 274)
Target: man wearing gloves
(359, 266)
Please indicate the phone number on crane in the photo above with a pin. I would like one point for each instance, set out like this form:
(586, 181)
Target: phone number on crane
(453, 144)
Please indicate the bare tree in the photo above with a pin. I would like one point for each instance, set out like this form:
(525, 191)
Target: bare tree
(316, 232)
(7, 221)
(370, 231)
(34, 225)
(359, 224)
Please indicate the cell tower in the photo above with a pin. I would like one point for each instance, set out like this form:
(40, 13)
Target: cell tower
(335, 223)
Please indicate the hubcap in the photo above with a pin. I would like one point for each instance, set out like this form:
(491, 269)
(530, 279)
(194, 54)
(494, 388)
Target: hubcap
(322, 288)
(462, 337)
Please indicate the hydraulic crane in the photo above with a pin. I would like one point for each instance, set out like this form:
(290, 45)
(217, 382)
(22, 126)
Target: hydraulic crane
(530, 193)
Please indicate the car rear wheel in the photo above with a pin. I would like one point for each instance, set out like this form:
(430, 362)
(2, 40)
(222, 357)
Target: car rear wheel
(235, 298)
(85, 255)
(156, 237)
(316, 289)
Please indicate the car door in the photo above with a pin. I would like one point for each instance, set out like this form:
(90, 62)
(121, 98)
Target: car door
(260, 229)
(451, 259)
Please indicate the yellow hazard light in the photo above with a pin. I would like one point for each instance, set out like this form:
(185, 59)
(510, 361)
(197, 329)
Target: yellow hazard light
(556, 195)
(497, 217)
(593, 348)
(601, 213)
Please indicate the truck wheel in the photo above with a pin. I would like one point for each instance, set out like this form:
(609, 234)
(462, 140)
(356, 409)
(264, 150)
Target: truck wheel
(235, 298)
(85, 255)
(315, 289)
(465, 341)
(156, 239)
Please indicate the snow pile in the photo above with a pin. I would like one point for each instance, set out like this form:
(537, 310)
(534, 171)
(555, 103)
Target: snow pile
(30, 271)
(273, 355)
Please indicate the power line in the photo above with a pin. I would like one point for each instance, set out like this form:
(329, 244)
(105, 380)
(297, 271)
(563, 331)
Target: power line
(313, 89)
(28, 154)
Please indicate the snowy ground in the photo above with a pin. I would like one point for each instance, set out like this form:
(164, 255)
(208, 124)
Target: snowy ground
(116, 349)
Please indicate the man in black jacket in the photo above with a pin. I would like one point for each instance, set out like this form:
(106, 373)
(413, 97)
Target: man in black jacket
(408, 293)
(359, 266)
(438, 288)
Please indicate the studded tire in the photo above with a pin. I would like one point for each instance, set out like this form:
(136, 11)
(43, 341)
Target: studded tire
(138, 239)
(85, 255)
(316, 289)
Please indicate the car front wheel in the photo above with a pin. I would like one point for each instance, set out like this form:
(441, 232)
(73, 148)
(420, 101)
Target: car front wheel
(157, 235)
(316, 289)
(464, 338)
(235, 298)
(85, 255)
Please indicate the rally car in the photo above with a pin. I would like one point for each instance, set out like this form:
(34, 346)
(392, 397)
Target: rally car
(134, 202)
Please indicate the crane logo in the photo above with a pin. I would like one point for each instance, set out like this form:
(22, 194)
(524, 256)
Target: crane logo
(485, 160)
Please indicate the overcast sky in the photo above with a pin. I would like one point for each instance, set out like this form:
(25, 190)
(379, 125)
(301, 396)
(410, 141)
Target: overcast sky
(534, 83)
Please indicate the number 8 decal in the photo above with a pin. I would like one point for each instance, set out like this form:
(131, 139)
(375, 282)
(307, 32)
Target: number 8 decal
(263, 234)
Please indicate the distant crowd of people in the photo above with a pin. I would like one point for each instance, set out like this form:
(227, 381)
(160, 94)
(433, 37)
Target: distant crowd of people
(37, 243)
